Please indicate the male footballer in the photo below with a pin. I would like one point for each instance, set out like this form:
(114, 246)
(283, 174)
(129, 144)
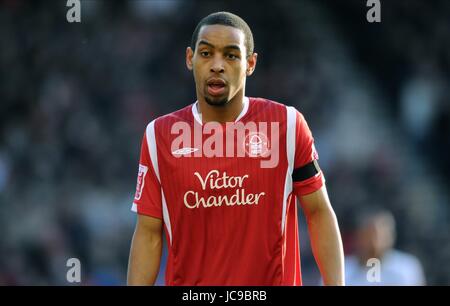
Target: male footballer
(221, 178)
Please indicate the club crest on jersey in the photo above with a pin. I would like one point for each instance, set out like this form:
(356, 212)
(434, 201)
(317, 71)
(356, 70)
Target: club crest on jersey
(256, 144)
(140, 181)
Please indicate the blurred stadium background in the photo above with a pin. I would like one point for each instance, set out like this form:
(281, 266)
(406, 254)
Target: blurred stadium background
(75, 100)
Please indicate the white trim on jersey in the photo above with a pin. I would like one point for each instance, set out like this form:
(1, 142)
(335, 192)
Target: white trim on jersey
(166, 216)
(290, 151)
(198, 116)
(244, 109)
(151, 142)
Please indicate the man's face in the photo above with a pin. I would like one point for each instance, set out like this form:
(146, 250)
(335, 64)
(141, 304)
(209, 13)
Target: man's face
(220, 63)
(377, 237)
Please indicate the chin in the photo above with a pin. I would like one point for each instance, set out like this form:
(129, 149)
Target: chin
(217, 101)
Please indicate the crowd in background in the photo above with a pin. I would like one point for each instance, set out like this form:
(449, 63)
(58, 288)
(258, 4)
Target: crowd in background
(75, 99)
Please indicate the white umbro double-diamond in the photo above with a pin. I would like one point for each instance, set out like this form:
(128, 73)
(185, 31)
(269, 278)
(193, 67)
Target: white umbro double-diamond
(184, 151)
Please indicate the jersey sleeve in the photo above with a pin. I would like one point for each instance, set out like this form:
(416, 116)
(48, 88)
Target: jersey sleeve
(147, 198)
(305, 154)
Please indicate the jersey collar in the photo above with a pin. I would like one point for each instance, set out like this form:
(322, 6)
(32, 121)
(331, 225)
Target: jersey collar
(198, 116)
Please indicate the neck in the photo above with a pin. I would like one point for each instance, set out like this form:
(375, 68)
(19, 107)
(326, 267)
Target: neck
(226, 113)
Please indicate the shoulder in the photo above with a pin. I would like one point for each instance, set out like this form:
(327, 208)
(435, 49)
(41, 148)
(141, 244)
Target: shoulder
(401, 258)
(263, 103)
(275, 107)
(183, 114)
(406, 265)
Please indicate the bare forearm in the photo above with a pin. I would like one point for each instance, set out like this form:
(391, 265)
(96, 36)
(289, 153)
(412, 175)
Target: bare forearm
(145, 257)
(327, 247)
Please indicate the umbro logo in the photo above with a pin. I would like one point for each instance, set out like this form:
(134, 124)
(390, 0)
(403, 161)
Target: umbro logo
(184, 151)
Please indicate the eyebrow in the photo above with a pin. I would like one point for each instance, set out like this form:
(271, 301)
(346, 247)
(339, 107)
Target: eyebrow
(204, 42)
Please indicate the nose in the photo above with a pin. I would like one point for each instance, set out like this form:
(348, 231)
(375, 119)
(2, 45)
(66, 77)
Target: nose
(217, 64)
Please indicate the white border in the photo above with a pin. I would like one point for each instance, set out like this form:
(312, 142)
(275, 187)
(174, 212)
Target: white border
(290, 151)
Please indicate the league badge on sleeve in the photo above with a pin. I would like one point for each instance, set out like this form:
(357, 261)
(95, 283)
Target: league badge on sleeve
(315, 155)
(140, 181)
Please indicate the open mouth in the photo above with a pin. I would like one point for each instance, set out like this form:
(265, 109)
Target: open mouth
(216, 86)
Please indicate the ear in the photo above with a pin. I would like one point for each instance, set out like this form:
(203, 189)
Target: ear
(189, 56)
(251, 63)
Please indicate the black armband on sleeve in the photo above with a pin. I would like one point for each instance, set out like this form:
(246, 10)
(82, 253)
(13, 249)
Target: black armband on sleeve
(305, 172)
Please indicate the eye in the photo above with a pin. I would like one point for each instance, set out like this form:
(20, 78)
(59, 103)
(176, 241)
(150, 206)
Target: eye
(205, 53)
(232, 56)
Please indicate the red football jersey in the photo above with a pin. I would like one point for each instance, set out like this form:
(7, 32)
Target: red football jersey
(226, 194)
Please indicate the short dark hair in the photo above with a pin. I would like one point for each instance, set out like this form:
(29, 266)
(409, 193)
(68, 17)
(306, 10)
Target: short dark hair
(227, 19)
(366, 215)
